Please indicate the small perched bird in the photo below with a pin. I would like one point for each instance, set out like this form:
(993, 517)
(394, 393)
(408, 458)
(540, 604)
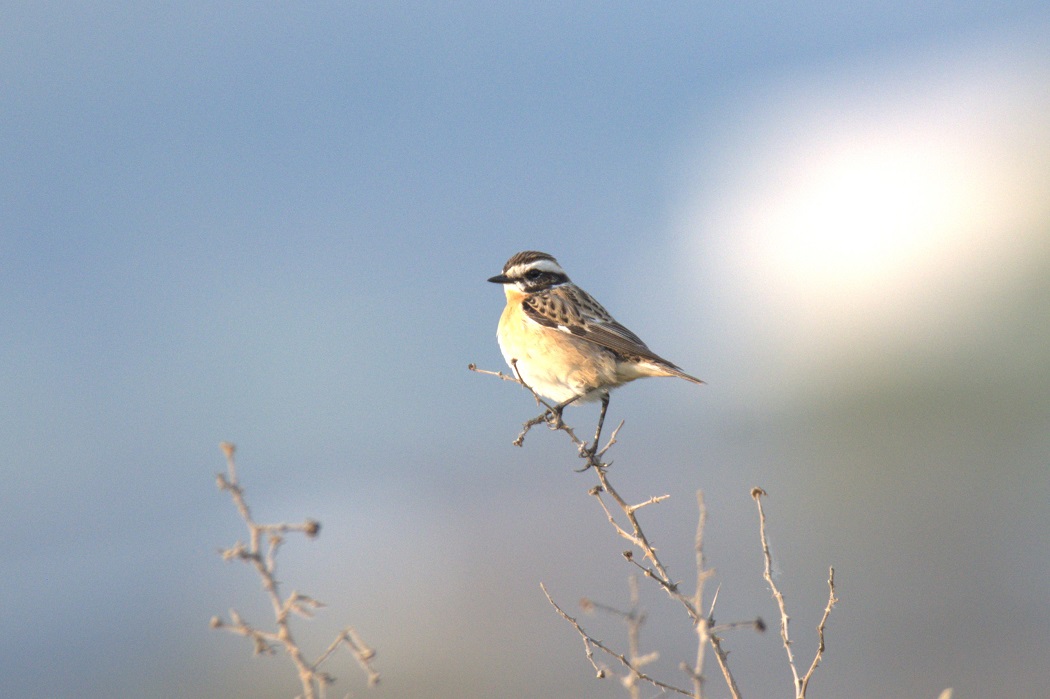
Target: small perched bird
(562, 343)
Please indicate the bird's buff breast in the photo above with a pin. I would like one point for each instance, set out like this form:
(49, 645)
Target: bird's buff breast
(553, 363)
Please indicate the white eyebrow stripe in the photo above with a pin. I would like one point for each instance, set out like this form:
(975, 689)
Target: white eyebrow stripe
(542, 265)
(548, 266)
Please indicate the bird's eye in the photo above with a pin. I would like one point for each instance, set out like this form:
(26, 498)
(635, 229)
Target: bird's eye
(533, 274)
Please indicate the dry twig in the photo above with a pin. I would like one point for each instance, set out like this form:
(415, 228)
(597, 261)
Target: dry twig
(313, 680)
(589, 643)
(650, 564)
(801, 683)
(634, 618)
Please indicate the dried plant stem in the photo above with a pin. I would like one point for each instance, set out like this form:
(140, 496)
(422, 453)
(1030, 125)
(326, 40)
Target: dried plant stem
(653, 568)
(590, 643)
(703, 626)
(265, 563)
(623, 517)
(650, 564)
(633, 619)
(801, 683)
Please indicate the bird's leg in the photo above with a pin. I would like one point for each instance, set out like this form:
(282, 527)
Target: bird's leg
(555, 412)
(591, 451)
(552, 416)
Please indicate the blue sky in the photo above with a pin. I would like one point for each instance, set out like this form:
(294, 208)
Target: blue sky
(271, 224)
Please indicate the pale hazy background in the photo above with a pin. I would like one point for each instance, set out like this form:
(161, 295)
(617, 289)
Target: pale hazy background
(271, 223)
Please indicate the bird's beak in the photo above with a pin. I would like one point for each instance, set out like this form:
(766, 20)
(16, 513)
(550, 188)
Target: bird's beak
(500, 279)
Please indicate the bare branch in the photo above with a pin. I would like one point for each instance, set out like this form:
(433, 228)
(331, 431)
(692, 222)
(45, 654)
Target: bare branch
(757, 494)
(589, 643)
(703, 625)
(312, 679)
(628, 527)
(499, 374)
(820, 632)
(633, 619)
(801, 684)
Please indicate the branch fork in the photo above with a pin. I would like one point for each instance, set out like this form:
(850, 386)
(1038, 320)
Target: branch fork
(313, 680)
(708, 632)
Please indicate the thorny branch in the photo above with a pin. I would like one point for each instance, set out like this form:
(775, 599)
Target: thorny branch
(650, 564)
(801, 683)
(313, 680)
(651, 567)
(550, 415)
(589, 643)
(634, 618)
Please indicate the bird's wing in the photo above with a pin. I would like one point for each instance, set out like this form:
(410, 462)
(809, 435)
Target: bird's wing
(572, 310)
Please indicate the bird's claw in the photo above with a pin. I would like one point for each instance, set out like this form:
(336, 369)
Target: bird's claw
(553, 418)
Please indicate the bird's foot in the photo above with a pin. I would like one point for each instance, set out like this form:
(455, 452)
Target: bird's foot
(553, 417)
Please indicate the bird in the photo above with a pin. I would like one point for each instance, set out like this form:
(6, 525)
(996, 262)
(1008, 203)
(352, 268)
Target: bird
(562, 343)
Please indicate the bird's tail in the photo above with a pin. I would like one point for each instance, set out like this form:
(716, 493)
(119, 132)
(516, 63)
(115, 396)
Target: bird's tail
(675, 371)
(663, 368)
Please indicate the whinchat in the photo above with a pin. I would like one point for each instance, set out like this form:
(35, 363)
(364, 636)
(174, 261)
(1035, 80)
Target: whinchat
(562, 343)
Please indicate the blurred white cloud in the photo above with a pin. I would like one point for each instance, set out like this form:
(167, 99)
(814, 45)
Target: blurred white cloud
(865, 215)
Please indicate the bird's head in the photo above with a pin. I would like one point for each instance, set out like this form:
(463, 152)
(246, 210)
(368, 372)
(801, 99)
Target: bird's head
(531, 271)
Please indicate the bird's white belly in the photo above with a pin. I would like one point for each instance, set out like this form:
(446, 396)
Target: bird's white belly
(557, 365)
